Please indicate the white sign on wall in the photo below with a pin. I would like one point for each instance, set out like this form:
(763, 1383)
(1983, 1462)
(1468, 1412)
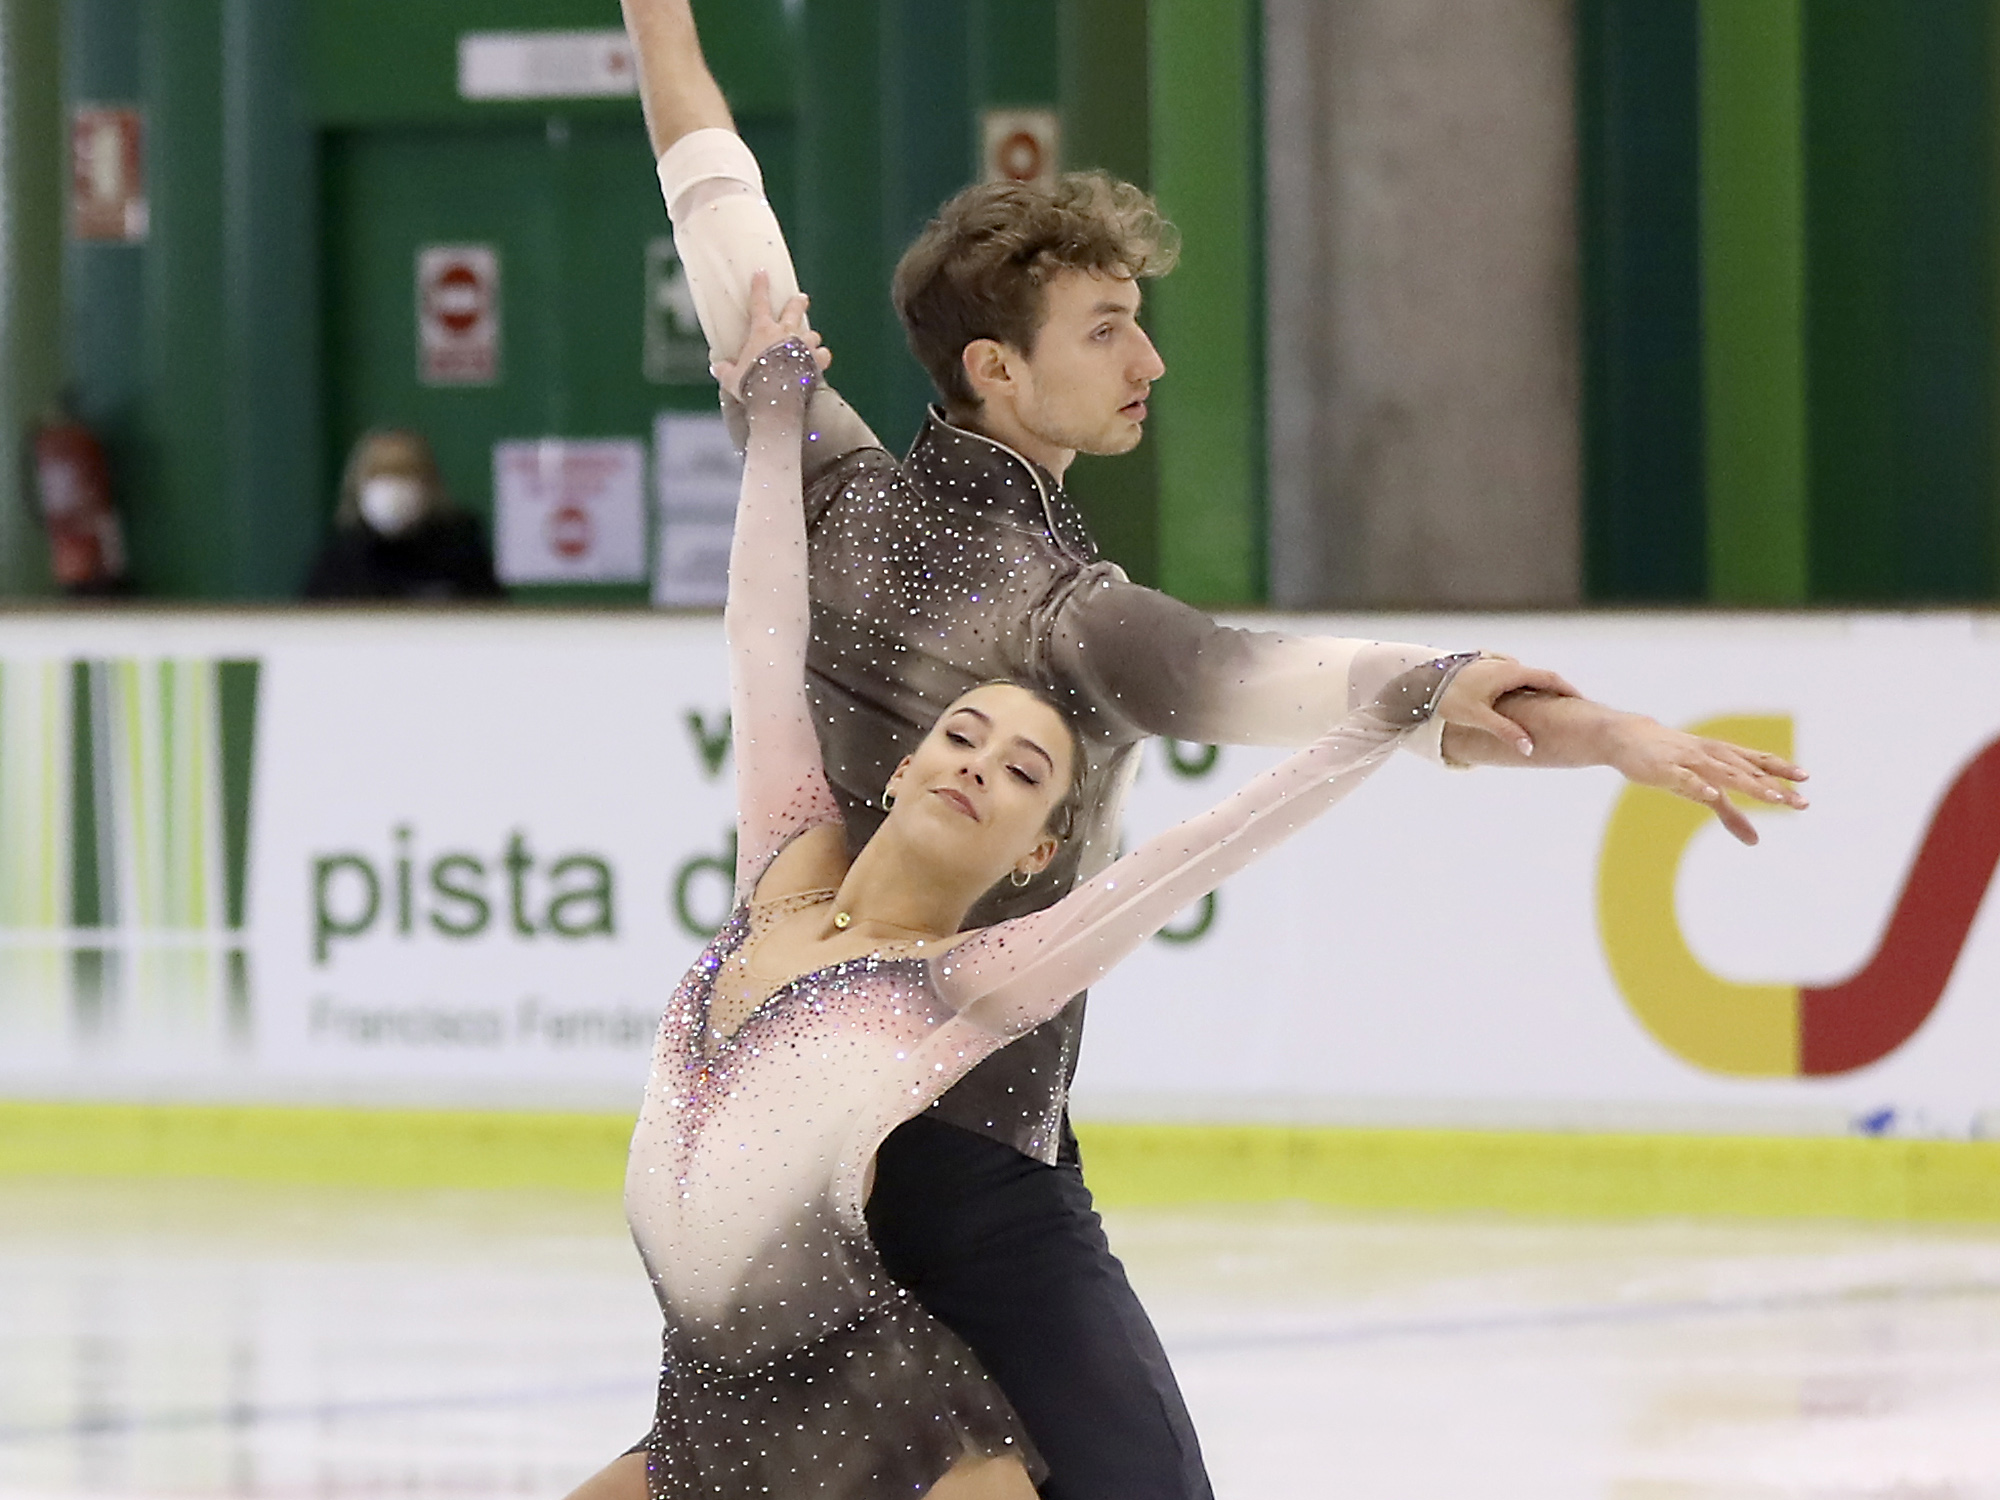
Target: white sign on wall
(589, 64)
(458, 314)
(697, 474)
(452, 860)
(570, 511)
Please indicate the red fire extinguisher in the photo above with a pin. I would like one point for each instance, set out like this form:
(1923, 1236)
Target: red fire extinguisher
(73, 489)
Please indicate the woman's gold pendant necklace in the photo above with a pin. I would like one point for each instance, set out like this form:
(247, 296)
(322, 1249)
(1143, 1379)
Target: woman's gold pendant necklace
(842, 920)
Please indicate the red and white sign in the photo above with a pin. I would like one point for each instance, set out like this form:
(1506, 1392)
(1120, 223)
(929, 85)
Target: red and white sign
(107, 174)
(569, 511)
(1021, 145)
(458, 314)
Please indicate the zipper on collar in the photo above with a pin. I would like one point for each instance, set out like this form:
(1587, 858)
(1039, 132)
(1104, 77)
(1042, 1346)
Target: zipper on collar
(936, 421)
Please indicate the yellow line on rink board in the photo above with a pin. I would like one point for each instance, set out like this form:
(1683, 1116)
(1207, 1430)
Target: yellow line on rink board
(1518, 1172)
(1549, 1173)
(316, 1147)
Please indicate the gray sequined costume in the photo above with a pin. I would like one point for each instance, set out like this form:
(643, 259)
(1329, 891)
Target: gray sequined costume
(793, 1364)
(965, 563)
(959, 566)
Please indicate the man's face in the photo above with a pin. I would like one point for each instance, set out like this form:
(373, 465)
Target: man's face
(1084, 384)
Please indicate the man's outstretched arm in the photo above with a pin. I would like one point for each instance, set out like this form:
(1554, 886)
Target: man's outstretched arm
(1171, 670)
(724, 229)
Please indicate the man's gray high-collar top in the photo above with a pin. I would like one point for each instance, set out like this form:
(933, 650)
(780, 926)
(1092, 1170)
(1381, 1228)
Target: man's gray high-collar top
(931, 576)
(965, 563)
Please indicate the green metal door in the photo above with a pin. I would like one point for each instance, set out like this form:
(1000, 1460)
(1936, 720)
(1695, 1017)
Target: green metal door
(570, 207)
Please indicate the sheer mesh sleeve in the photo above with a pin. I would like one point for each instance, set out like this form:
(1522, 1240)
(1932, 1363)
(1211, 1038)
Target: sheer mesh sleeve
(1012, 977)
(725, 233)
(781, 785)
(1172, 670)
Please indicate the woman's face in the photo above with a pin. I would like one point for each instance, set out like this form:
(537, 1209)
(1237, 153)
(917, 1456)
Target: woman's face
(983, 785)
(394, 493)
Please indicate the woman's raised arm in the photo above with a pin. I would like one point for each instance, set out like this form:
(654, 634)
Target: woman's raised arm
(781, 783)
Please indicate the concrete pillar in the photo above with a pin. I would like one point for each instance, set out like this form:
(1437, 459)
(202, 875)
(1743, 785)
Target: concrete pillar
(1422, 346)
(31, 177)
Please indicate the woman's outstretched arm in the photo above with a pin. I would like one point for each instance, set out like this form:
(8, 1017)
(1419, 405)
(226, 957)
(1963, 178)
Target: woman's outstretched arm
(781, 783)
(1012, 977)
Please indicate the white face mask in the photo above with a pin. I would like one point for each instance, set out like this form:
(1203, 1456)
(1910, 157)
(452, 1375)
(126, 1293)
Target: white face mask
(392, 503)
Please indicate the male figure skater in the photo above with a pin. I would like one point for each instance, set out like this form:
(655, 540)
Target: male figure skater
(964, 562)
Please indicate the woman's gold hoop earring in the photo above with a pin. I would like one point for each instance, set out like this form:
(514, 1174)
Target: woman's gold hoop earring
(1022, 877)
(888, 800)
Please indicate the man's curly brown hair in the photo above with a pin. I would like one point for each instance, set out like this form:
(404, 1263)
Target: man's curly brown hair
(981, 268)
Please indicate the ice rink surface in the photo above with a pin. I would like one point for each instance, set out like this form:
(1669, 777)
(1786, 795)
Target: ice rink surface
(194, 1339)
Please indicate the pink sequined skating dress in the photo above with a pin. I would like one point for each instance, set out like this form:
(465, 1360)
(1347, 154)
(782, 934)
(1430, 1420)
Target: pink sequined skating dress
(793, 1364)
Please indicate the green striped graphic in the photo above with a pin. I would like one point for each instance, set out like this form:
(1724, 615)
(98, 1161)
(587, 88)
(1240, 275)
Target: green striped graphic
(236, 719)
(86, 903)
(34, 841)
(125, 805)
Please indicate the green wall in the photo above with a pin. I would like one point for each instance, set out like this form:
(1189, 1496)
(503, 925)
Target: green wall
(888, 114)
(1207, 128)
(1789, 260)
(750, 44)
(1645, 529)
(1753, 284)
(1106, 89)
(1165, 94)
(211, 356)
(103, 290)
(194, 353)
(1900, 332)
(1161, 92)
(1786, 234)
(30, 252)
(200, 355)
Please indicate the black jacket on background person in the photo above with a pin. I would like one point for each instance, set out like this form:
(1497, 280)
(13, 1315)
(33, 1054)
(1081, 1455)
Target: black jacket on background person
(444, 558)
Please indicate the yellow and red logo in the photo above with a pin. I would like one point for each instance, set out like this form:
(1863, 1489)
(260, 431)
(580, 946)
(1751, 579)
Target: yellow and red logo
(1789, 1030)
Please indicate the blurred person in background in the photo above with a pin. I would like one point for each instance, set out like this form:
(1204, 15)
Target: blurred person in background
(397, 534)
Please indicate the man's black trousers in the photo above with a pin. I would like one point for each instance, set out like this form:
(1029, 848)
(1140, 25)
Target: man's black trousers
(1010, 1255)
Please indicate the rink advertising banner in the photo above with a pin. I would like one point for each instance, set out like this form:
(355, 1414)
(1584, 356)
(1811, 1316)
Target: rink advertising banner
(427, 860)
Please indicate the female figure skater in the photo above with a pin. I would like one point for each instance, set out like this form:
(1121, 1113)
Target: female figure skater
(841, 998)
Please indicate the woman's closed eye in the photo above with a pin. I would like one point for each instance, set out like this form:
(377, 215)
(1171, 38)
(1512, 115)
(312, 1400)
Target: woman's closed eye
(1028, 778)
(961, 740)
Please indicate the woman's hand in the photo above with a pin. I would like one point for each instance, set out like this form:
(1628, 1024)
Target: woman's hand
(1574, 731)
(1470, 702)
(1648, 753)
(767, 331)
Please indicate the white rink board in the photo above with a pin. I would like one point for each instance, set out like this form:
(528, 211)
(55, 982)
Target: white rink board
(1428, 954)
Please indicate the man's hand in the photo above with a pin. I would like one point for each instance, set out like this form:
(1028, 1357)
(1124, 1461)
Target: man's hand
(1648, 753)
(1471, 702)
